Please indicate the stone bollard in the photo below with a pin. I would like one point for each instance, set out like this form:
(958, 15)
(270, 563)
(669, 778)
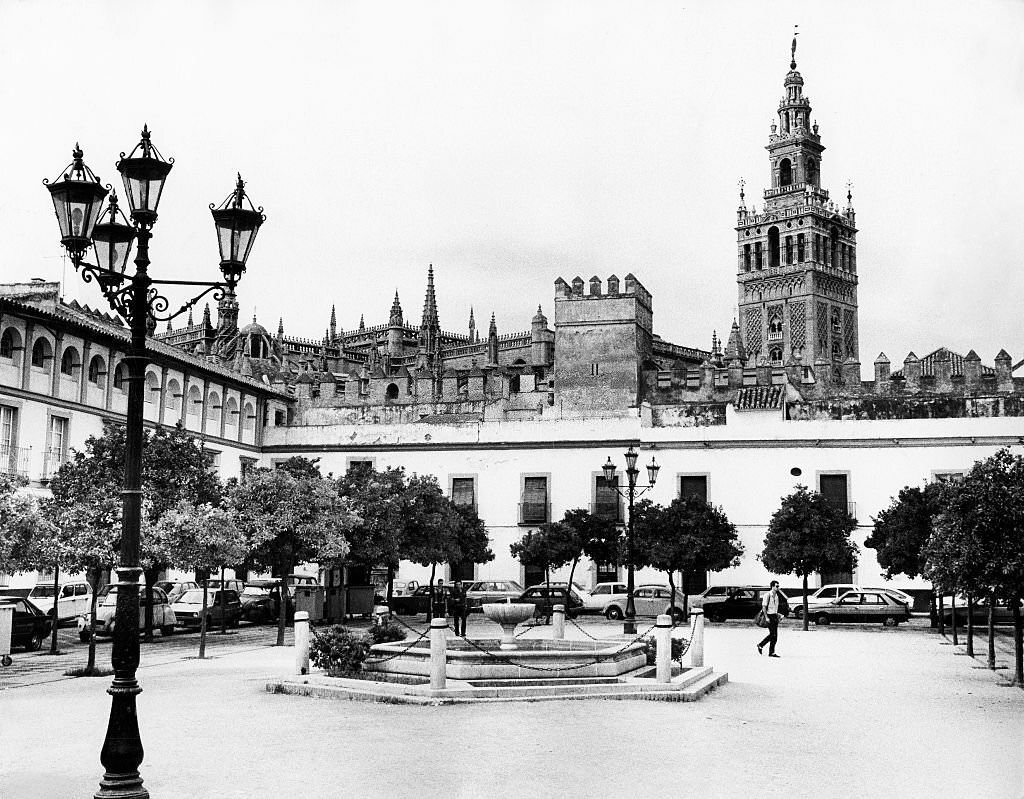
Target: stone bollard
(438, 653)
(558, 622)
(697, 643)
(663, 638)
(301, 642)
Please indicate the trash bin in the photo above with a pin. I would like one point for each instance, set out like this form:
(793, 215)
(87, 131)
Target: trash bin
(360, 600)
(310, 598)
(6, 630)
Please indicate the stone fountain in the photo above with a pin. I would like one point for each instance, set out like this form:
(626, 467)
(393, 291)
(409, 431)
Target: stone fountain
(508, 615)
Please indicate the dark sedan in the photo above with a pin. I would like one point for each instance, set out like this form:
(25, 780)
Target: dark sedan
(29, 625)
(416, 602)
(741, 602)
(545, 599)
(862, 606)
(1002, 613)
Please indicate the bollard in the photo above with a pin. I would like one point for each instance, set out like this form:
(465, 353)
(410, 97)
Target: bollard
(558, 622)
(301, 642)
(663, 638)
(438, 653)
(697, 642)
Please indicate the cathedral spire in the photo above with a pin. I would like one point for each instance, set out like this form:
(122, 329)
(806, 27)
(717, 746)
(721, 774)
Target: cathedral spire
(396, 312)
(280, 327)
(362, 323)
(472, 325)
(430, 303)
(190, 323)
(492, 343)
(334, 324)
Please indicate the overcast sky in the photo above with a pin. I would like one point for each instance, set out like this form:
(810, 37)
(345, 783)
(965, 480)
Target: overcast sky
(513, 143)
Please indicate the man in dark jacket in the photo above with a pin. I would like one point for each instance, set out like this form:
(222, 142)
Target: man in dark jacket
(438, 602)
(458, 605)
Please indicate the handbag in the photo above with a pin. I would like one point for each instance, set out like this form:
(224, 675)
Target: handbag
(761, 620)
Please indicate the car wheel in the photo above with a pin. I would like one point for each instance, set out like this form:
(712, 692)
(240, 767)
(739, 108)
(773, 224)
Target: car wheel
(35, 643)
(6, 660)
(613, 613)
(83, 635)
(890, 621)
(822, 619)
(715, 616)
(166, 630)
(799, 612)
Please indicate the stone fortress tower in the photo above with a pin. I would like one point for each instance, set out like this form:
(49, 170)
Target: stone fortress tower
(797, 258)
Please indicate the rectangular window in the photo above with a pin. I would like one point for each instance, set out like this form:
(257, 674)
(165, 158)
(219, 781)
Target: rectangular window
(359, 462)
(212, 458)
(948, 477)
(694, 485)
(57, 445)
(9, 439)
(245, 464)
(607, 502)
(789, 249)
(595, 369)
(464, 492)
(534, 507)
(800, 247)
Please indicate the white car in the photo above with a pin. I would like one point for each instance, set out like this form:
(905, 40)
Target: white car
(74, 598)
(106, 605)
(831, 592)
(601, 595)
(648, 600)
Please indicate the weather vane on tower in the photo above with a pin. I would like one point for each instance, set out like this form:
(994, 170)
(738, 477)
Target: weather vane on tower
(792, 53)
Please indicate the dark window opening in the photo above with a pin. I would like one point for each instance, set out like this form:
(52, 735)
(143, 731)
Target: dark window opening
(40, 352)
(800, 248)
(464, 492)
(534, 508)
(694, 485)
(607, 504)
(68, 362)
(773, 247)
(391, 392)
(789, 249)
(786, 168)
(7, 344)
(746, 257)
(758, 255)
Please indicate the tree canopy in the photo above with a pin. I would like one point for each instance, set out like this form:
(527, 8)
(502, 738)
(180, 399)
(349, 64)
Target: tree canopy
(902, 529)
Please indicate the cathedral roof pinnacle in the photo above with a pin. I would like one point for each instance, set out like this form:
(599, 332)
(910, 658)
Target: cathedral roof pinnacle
(430, 319)
(190, 323)
(396, 311)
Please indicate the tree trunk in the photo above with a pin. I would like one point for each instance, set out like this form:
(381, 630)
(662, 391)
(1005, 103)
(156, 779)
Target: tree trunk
(93, 576)
(1018, 643)
(391, 586)
(970, 625)
(223, 605)
(150, 574)
(282, 617)
(952, 618)
(807, 621)
(942, 619)
(686, 593)
(56, 615)
(568, 585)
(671, 594)
(933, 616)
(991, 632)
(202, 620)
(430, 593)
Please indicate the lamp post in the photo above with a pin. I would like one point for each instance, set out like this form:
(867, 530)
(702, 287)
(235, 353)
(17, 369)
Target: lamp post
(77, 195)
(631, 492)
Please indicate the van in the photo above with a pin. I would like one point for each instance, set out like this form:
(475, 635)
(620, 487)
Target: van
(74, 598)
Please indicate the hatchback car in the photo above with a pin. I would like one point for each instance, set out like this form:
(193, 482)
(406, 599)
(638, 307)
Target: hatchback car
(544, 600)
(188, 610)
(648, 600)
(1002, 613)
(175, 588)
(822, 596)
(416, 602)
(73, 598)
(862, 606)
(106, 605)
(711, 592)
(29, 626)
(491, 591)
(603, 594)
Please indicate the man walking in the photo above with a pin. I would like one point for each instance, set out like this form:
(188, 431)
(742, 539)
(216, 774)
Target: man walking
(438, 608)
(774, 604)
(458, 604)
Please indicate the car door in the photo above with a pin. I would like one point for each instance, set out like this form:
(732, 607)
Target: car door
(848, 608)
(643, 601)
(743, 604)
(81, 598)
(22, 624)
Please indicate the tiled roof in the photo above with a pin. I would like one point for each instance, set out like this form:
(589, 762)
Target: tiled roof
(760, 398)
(76, 316)
(929, 363)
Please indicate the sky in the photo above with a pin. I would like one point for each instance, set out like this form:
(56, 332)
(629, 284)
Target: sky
(510, 143)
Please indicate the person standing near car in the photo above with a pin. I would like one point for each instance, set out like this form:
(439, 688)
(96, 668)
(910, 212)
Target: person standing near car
(458, 604)
(438, 605)
(774, 605)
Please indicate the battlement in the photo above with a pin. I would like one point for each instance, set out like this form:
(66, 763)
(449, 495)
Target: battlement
(575, 290)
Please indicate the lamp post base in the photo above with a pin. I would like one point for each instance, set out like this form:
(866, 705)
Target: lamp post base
(629, 627)
(121, 786)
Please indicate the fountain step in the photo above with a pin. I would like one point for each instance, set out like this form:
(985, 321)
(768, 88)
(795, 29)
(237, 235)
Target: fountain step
(543, 681)
(703, 686)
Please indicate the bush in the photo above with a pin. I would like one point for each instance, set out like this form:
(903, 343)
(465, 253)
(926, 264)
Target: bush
(678, 645)
(338, 650)
(386, 632)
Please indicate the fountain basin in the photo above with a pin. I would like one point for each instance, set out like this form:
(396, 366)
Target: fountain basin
(484, 659)
(508, 615)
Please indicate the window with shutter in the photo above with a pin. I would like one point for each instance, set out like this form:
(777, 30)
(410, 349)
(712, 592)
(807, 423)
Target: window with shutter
(535, 500)
(464, 492)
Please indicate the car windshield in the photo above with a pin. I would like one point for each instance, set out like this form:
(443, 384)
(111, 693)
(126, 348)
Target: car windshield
(255, 590)
(192, 597)
(43, 590)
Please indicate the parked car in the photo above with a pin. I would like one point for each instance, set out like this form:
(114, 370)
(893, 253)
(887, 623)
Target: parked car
(175, 588)
(742, 602)
(260, 601)
(712, 591)
(74, 598)
(416, 602)
(822, 596)
(544, 599)
(188, 610)
(601, 595)
(299, 579)
(1001, 612)
(491, 591)
(238, 586)
(648, 600)
(106, 604)
(29, 626)
(862, 606)
(403, 587)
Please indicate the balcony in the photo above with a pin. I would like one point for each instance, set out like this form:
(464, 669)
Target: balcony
(534, 512)
(15, 460)
(775, 335)
(53, 459)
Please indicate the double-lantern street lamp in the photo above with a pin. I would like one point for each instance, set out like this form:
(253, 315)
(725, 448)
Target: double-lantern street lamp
(77, 197)
(630, 492)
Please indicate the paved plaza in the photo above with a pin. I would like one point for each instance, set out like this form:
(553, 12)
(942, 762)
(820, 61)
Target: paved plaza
(856, 711)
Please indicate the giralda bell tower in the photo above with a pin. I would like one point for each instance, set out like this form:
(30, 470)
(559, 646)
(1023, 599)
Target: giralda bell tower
(797, 268)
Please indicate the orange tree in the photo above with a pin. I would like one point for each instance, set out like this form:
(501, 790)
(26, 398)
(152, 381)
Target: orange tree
(808, 534)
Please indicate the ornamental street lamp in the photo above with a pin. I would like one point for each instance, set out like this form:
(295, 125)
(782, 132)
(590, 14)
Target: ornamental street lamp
(631, 492)
(77, 196)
